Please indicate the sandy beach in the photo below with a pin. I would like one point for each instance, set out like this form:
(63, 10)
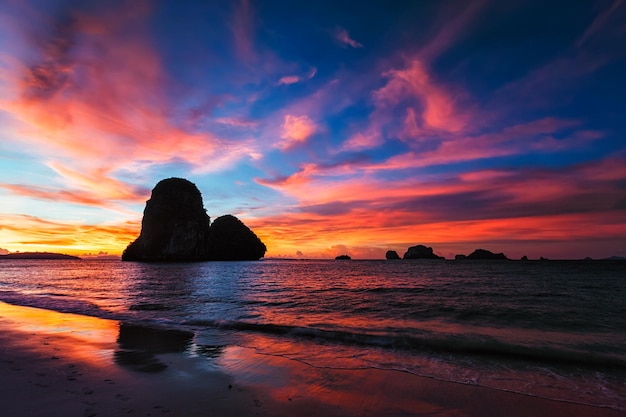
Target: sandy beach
(58, 364)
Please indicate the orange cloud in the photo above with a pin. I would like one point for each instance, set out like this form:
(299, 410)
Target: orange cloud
(337, 205)
(29, 233)
(368, 234)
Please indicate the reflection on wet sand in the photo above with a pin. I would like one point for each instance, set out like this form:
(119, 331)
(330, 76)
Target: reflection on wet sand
(58, 364)
(87, 339)
(136, 349)
(139, 345)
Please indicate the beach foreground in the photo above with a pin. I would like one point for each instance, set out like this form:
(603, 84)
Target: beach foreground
(59, 364)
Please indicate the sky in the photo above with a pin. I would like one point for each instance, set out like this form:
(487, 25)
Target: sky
(328, 127)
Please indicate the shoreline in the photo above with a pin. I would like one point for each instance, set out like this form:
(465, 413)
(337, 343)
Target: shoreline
(57, 364)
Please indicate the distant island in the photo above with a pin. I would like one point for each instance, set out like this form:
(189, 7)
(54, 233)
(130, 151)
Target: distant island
(392, 255)
(38, 255)
(343, 258)
(426, 252)
(421, 252)
(176, 228)
(482, 254)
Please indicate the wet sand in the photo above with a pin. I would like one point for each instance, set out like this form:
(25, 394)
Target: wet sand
(56, 364)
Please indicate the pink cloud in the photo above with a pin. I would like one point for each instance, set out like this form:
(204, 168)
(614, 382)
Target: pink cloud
(289, 79)
(427, 107)
(296, 130)
(531, 137)
(94, 101)
(363, 140)
(438, 111)
(294, 79)
(344, 38)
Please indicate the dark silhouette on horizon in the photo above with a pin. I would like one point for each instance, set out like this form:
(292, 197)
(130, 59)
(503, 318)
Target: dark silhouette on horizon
(421, 252)
(176, 228)
(39, 255)
(482, 254)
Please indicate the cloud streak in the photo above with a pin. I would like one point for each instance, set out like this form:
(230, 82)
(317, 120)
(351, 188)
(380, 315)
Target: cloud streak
(343, 37)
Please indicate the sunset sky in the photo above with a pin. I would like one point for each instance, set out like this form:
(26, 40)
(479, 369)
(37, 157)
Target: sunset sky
(328, 127)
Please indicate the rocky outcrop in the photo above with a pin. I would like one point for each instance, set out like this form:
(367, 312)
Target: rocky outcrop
(343, 258)
(231, 240)
(486, 255)
(421, 252)
(392, 254)
(176, 228)
(460, 257)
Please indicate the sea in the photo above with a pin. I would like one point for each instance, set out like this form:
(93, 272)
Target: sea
(550, 329)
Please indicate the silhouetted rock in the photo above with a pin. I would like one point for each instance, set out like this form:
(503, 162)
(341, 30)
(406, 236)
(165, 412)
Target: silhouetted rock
(524, 258)
(460, 257)
(343, 258)
(175, 227)
(485, 254)
(231, 240)
(392, 254)
(420, 252)
(541, 258)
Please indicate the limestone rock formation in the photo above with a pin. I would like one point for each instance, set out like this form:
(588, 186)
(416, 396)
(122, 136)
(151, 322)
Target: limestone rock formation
(392, 254)
(420, 252)
(176, 228)
(231, 240)
(485, 254)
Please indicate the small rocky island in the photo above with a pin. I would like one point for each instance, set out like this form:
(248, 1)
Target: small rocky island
(176, 228)
(482, 254)
(420, 252)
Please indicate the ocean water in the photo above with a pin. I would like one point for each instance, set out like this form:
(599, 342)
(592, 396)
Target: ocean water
(554, 329)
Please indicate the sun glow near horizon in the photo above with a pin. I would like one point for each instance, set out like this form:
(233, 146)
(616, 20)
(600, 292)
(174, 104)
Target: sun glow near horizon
(355, 142)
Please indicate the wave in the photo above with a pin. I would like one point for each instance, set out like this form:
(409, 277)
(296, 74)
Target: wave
(424, 341)
(57, 302)
(428, 342)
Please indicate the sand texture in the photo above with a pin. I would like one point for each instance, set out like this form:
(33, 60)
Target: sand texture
(57, 364)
